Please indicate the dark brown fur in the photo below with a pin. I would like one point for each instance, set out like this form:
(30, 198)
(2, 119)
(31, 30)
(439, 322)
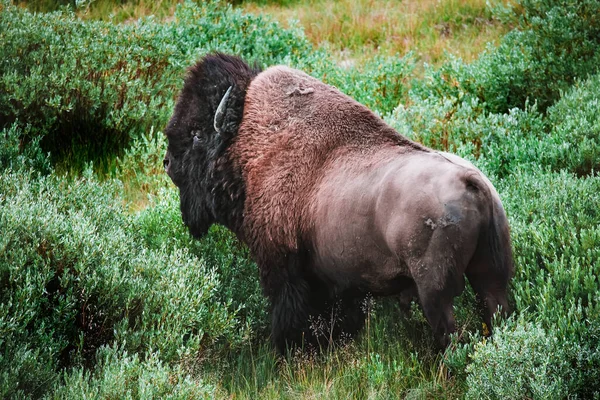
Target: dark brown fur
(337, 205)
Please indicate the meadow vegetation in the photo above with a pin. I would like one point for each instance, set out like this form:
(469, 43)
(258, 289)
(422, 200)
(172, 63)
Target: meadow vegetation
(355, 31)
(103, 293)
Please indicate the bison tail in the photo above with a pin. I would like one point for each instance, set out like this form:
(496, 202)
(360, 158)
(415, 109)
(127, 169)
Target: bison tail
(218, 83)
(491, 269)
(496, 235)
(499, 242)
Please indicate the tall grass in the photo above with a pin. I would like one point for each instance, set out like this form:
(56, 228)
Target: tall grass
(392, 358)
(358, 29)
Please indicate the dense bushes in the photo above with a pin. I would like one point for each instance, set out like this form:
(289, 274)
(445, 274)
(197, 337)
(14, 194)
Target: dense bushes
(556, 235)
(554, 44)
(522, 362)
(15, 153)
(119, 375)
(78, 272)
(75, 275)
(380, 84)
(574, 130)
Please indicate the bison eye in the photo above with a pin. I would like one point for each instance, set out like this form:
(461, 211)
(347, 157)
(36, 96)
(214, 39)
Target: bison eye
(198, 141)
(166, 163)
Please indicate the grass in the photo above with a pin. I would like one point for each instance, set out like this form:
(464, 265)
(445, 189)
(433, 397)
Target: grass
(105, 10)
(392, 358)
(359, 29)
(128, 11)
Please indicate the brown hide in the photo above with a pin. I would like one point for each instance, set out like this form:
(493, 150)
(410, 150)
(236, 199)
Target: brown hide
(293, 126)
(334, 193)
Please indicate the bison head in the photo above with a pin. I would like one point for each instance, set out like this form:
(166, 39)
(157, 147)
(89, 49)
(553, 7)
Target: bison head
(206, 119)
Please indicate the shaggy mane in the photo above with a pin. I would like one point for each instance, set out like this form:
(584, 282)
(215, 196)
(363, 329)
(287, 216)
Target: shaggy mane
(211, 186)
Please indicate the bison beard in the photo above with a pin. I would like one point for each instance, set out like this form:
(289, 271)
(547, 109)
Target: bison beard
(333, 203)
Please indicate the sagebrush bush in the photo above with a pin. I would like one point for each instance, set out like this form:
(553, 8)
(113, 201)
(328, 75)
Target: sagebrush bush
(76, 274)
(16, 152)
(521, 362)
(140, 168)
(380, 84)
(119, 375)
(556, 235)
(573, 141)
(498, 143)
(565, 137)
(553, 44)
(161, 227)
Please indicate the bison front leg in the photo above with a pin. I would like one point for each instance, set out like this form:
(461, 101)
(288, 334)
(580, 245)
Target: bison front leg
(293, 303)
(290, 314)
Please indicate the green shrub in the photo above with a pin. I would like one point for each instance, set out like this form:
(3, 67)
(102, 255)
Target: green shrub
(380, 83)
(75, 275)
(119, 375)
(141, 169)
(553, 44)
(161, 227)
(565, 137)
(573, 141)
(555, 231)
(521, 362)
(84, 86)
(17, 154)
(497, 143)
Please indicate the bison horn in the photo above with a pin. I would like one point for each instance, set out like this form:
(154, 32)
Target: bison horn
(220, 113)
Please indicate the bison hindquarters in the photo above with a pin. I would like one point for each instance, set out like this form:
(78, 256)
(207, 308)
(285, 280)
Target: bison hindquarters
(412, 221)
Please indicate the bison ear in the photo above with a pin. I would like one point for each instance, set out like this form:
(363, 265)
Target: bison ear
(221, 113)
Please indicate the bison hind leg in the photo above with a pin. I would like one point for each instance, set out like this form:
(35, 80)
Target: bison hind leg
(437, 288)
(437, 306)
(491, 291)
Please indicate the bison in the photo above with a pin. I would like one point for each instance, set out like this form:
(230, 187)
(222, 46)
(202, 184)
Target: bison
(332, 202)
